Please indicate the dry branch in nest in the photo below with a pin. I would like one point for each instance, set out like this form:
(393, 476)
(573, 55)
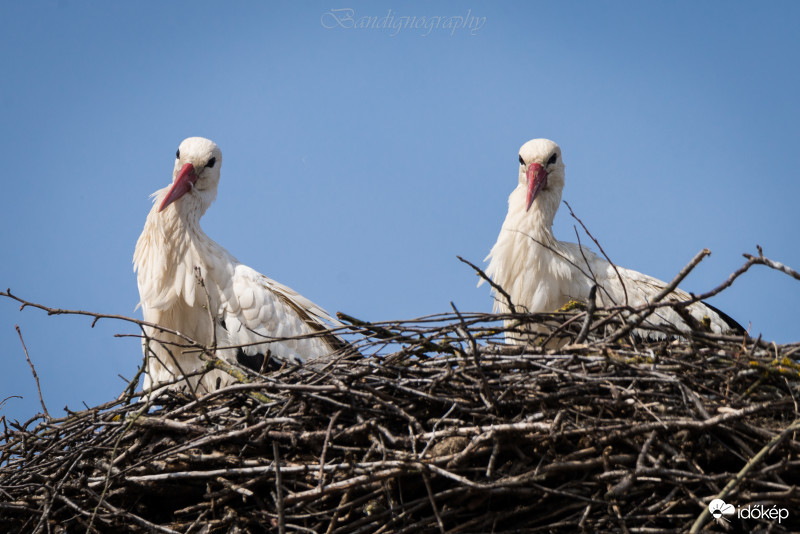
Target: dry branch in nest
(439, 428)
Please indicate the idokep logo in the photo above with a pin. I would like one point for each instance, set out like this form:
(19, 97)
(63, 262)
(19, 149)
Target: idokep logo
(719, 509)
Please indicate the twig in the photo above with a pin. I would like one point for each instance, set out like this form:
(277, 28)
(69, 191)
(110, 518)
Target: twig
(198, 273)
(600, 248)
(491, 282)
(321, 475)
(476, 358)
(97, 316)
(426, 480)
(33, 370)
(773, 264)
(636, 319)
(279, 488)
(591, 306)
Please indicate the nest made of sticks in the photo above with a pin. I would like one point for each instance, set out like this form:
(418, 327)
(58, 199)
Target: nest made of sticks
(440, 427)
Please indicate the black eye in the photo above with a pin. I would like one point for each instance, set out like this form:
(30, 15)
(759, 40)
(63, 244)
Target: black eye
(178, 154)
(521, 161)
(552, 159)
(211, 162)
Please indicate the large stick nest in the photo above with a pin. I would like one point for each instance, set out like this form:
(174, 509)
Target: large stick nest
(450, 432)
(438, 426)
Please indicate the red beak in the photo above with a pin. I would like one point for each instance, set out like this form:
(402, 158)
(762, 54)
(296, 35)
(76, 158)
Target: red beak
(182, 185)
(537, 179)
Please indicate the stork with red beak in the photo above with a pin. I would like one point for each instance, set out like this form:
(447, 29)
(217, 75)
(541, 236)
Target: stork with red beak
(252, 319)
(542, 274)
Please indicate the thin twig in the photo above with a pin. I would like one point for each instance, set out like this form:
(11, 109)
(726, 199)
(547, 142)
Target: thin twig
(491, 282)
(600, 248)
(33, 370)
(279, 488)
(644, 312)
(591, 306)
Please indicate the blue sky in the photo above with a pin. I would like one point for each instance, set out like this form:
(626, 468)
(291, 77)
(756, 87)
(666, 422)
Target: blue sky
(358, 162)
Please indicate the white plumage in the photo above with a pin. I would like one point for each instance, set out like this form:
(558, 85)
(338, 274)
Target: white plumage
(542, 274)
(247, 307)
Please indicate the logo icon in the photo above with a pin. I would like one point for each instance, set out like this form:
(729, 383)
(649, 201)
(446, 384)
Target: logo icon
(720, 508)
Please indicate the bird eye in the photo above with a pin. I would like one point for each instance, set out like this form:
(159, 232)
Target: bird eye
(178, 154)
(521, 161)
(552, 159)
(211, 162)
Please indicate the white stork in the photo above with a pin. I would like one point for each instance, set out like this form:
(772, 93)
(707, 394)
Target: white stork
(542, 274)
(247, 307)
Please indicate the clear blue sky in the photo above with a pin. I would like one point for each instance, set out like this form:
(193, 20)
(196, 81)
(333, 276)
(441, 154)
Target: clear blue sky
(358, 162)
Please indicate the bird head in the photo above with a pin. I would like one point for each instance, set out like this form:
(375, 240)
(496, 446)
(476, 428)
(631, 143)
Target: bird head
(196, 173)
(541, 170)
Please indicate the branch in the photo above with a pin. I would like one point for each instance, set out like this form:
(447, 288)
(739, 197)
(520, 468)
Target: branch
(33, 370)
(97, 316)
(491, 282)
(644, 312)
(600, 248)
(591, 306)
(772, 264)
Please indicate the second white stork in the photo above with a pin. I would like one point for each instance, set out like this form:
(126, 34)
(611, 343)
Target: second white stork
(250, 315)
(542, 274)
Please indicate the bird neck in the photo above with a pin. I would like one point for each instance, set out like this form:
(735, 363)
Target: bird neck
(169, 249)
(537, 222)
(177, 223)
